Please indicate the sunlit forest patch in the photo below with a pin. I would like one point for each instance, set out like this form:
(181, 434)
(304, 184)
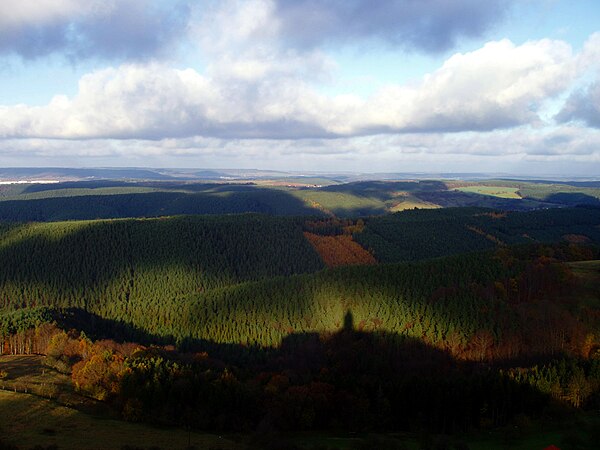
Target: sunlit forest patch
(495, 191)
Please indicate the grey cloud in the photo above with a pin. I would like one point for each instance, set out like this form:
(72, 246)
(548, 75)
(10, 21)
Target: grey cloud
(133, 30)
(31, 42)
(428, 25)
(583, 105)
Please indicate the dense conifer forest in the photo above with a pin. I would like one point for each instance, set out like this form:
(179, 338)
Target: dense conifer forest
(437, 320)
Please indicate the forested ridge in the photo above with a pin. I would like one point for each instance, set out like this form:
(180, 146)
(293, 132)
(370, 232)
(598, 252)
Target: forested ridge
(113, 204)
(530, 350)
(235, 279)
(142, 263)
(420, 234)
(238, 325)
(503, 304)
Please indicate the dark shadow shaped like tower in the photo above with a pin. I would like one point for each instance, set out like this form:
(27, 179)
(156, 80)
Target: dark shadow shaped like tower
(348, 321)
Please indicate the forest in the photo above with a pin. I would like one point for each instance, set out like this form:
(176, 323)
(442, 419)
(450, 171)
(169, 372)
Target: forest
(441, 321)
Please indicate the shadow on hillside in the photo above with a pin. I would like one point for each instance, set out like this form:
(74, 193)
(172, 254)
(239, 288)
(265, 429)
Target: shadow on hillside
(449, 199)
(587, 184)
(107, 264)
(98, 328)
(385, 190)
(96, 184)
(572, 199)
(210, 199)
(354, 380)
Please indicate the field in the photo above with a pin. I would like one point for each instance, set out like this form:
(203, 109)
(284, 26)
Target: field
(28, 420)
(494, 191)
(35, 421)
(25, 373)
(561, 193)
(405, 200)
(526, 436)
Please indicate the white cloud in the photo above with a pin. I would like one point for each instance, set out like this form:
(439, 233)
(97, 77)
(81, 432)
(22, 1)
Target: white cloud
(590, 55)
(369, 153)
(234, 26)
(500, 85)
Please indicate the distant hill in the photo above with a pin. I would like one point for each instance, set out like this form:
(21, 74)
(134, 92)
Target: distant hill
(92, 199)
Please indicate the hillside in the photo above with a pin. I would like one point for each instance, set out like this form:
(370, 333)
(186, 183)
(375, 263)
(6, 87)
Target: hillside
(79, 200)
(227, 278)
(237, 325)
(138, 264)
(415, 235)
(448, 346)
(37, 421)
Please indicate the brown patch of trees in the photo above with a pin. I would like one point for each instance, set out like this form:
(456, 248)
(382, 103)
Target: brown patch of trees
(340, 250)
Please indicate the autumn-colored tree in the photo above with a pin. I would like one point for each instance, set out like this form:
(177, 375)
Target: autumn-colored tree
(480, 342)
(578, 389)
(339, 250)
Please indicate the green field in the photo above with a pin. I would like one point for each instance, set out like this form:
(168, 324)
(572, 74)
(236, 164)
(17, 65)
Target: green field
(560, 193)
(494, 191)
(28, 420)
(524, 436)
(31, 419)
(409, 201)
(340, 203)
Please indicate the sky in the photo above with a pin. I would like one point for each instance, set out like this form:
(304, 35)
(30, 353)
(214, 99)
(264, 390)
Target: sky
(501, 86)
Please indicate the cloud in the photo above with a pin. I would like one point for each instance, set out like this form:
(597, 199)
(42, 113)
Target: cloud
(500, 85)
(583, 105)
(128, 29)
(564, 151)
(425, 25)
(590, 55)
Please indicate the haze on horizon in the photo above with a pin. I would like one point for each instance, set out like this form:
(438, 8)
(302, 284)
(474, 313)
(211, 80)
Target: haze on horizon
(332, 85)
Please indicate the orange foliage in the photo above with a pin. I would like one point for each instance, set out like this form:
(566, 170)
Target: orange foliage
(488, 236)
(358, 227)
(340, 250)
(102, 367)
(494, 215)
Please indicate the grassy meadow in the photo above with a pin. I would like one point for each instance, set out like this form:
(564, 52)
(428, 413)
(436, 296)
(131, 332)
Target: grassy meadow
(494, 191)
(65, 419)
